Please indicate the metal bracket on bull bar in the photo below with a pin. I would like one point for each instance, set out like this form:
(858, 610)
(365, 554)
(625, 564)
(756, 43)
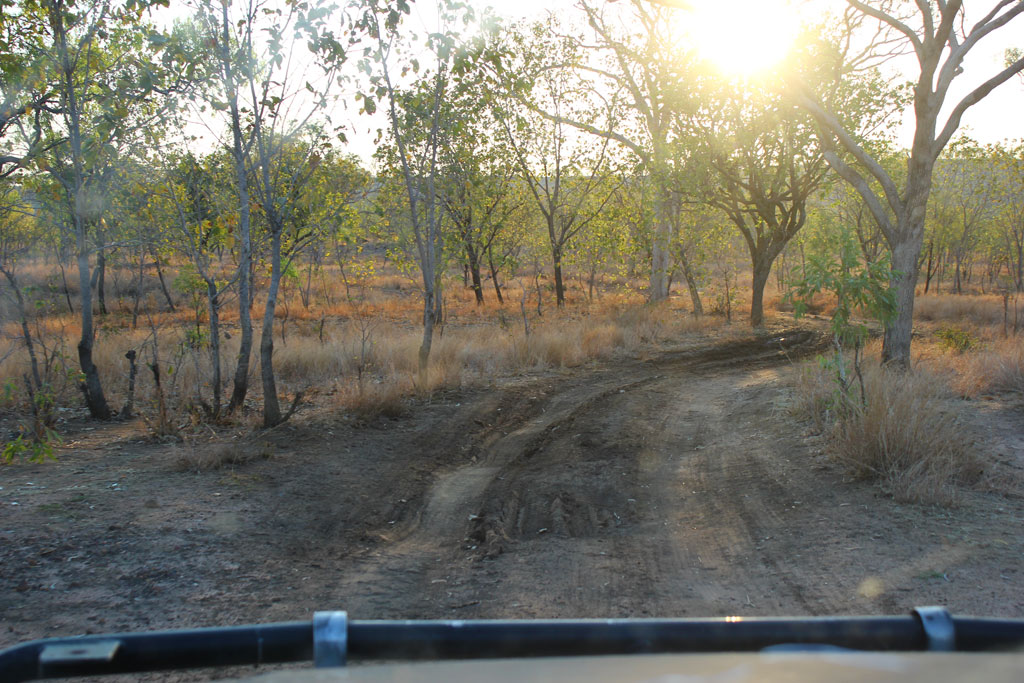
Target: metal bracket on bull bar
(330, 639)
(938, 628)
(52, 657)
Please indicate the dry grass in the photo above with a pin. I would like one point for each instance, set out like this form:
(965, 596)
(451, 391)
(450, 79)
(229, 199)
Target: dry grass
(384, 399)
(977, 309)
(813, 396)
(324, 345)
(995, 368)
(221, 456)
(906, 436)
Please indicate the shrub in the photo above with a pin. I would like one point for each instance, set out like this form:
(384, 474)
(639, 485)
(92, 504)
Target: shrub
(956, 338)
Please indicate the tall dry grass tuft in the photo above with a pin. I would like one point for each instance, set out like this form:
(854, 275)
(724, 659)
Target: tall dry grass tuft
(978, 309)
(906, 435)
(373, 400)
(997, 368)
(814, 396)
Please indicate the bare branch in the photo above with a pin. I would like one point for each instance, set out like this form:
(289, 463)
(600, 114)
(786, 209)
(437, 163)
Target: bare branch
(893, 22)
(975, 96)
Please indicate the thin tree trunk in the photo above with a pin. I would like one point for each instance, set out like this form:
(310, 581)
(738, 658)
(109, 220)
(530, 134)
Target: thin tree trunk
(138, 289)
(64, 279)
(214, 305)
(163, 283)
(271, 405)
(559, 286)
(26, 335)
(474, 272)
(101, 277)
(929, 272)
(494, 276)
(691, 285)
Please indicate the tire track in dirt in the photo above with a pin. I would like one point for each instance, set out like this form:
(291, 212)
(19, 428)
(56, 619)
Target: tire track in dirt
(587, 464)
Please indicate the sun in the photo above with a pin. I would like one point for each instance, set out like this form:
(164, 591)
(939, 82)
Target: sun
(742, 37)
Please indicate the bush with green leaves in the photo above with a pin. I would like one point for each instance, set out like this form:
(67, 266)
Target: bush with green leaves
(956, 339)
(860, 288)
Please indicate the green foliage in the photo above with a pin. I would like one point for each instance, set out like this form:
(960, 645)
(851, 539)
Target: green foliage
(36, 442)
(32, 449)
(956, 338)
(858, 287)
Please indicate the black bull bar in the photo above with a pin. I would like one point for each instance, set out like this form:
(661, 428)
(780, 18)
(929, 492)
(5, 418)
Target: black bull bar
(331, 639)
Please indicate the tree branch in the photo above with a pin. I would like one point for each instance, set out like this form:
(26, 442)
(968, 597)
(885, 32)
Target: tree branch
(833, 125)
(893, 22)
(975, 96)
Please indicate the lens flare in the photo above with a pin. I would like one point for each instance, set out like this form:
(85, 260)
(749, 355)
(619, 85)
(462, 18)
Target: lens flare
(742, 37)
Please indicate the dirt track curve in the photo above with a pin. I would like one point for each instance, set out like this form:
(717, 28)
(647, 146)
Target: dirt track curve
(677, 486)
(673, 486)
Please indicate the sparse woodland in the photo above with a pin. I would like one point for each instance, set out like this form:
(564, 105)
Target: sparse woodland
(542, 194)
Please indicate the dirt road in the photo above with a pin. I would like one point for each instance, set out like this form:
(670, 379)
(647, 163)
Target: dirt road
(674, 486)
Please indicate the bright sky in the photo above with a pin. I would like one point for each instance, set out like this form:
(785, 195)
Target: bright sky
(739, 34)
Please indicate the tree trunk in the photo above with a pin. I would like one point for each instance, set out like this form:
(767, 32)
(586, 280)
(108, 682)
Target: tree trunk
(762, 269)
(163, 283)
(91, 387)
(271, 406)
(238, 156)
(214, 304)
(956, 277)
(661, 244)
(138, 288)
(101, 278)
(1020, 264)
(659, 271)
(64, 279)
(494, 276)
(691, 286)
(929, 272)
(26, 334)
(559, 285)
(896, 343)
(428, 337)
(474, 272)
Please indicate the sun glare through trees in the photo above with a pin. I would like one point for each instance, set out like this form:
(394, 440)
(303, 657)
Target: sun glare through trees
(741, 37)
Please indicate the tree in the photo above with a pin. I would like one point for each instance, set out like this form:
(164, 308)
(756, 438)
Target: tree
(480, 183)
(629, 63)
(415, 123)
(964, 186)
(182, 200)
(26, 98)
(761, 166)
(253, 87)
(940, 37)
(571, 182)
(109, 77)
(1009, 211)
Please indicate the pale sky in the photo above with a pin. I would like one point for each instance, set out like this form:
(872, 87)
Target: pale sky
(997, 118)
